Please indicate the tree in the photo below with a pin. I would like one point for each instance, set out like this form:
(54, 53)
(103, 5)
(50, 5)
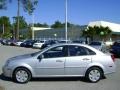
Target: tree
(100, 31)
(6, 26)
(3, 4)
(22, 24)
(58, 24)
(28, 6)
(41, 25)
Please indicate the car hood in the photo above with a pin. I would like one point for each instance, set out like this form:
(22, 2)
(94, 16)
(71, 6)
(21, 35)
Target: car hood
(20, 57)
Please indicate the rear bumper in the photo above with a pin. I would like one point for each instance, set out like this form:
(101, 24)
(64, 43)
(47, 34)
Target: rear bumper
(110, 69)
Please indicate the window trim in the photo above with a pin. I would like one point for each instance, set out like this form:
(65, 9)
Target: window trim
(66, 52)
(85, 48)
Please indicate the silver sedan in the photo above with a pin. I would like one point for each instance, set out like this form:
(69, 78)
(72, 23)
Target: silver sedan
(60, 60)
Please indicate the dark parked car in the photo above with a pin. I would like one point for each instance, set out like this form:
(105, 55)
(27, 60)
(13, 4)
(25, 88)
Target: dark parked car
(48, 43)
(78, 41)
(13, 42)
(115, 49)
(4, 41)
(28, 43)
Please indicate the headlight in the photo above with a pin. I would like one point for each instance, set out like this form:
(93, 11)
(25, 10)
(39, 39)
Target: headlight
(7, 63)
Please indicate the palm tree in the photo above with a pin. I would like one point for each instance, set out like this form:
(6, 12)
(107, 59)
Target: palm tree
(100, 31)
(2, 4)
(28, 6)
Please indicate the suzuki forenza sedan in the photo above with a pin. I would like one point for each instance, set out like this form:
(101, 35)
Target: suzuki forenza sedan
(60, 60)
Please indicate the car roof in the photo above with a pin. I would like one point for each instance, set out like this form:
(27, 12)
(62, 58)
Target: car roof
(78, 44)
(84, 45)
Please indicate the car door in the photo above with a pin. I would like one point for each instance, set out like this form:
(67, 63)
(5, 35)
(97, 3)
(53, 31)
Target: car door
(77, 61)
(51, 62)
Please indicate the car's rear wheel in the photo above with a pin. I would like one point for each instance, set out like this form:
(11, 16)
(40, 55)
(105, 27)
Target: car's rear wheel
(94, 74)
(21, 75)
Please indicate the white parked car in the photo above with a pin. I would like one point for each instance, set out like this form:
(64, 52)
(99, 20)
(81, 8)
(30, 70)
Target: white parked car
(18, 43)
(38, 44)
(60, 60)
(109, 43)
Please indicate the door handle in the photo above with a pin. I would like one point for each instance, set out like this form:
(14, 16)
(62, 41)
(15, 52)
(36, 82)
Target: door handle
(59, 61)
(85, 59)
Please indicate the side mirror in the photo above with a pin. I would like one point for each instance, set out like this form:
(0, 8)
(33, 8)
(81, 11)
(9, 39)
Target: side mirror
(40, 57)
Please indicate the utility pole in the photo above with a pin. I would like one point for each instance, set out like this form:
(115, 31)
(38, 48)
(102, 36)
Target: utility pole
(66, 32)
(33, 37)
(18, 15)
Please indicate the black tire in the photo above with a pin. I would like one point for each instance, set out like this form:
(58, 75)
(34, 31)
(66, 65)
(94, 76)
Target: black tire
(23, 78)
(94, 74)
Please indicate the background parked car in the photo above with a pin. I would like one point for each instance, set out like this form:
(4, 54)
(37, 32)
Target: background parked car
(99, 45)
(3, 41)
(78, 41)
(115, 49)
(0, 41)
(19, 42)
(48, 43)
(28, 43)
(39, 43)
(109, 43)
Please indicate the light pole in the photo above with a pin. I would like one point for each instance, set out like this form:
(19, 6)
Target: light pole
(18, 17)
(14, 28)
(66, 32)
(33, 27)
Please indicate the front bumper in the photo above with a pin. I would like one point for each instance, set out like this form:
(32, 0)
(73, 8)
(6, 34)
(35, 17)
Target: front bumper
(7, 71)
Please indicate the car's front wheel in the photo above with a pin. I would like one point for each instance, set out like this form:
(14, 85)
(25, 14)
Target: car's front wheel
(21, 75)
(94, 74)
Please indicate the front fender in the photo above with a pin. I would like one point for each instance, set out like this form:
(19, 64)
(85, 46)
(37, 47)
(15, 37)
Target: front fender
(24, 66)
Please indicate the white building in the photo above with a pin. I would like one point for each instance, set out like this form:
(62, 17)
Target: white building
(113, 26)
(37, 29)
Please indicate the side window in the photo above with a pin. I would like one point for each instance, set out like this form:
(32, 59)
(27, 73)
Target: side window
(55, 52)
(90, 52)
(77, 51)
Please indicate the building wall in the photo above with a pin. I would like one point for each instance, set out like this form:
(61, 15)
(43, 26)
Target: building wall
(73, 33)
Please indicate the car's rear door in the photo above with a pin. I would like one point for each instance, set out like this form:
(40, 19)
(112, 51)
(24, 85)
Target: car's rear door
(77, 61)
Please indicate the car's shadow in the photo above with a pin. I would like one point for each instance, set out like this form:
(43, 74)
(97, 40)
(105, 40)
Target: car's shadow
(82, 79)
(60, 79)
(2, 77)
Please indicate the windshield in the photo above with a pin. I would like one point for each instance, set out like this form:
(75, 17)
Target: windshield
(35, 53)
(95, 43)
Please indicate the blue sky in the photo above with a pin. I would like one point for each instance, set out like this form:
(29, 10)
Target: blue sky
(79, 11)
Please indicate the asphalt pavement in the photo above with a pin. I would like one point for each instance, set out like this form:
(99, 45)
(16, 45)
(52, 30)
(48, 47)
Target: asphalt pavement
(111, 82)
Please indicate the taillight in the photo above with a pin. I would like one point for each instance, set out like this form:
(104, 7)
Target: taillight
(113, 57)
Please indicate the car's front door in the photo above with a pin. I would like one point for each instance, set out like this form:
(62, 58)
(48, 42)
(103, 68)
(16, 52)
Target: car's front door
(51, 62)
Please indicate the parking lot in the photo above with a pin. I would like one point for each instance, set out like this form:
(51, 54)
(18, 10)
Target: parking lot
(112, 82)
